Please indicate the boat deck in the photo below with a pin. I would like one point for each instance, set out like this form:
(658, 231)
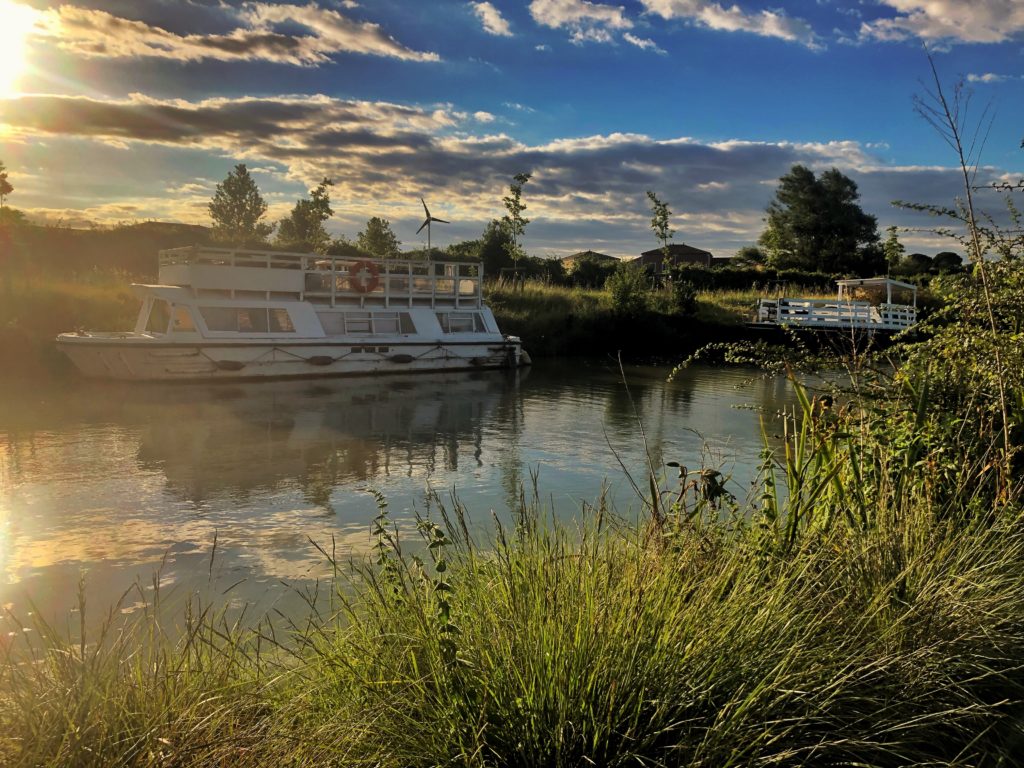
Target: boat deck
(323, 279)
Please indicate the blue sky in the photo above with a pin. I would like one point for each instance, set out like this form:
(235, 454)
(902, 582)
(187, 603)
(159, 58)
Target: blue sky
(127, 110)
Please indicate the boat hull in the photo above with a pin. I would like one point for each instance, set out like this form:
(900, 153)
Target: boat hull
(153, 360)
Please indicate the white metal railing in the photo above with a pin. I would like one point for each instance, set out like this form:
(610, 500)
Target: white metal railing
(332, 279)
(817, 313)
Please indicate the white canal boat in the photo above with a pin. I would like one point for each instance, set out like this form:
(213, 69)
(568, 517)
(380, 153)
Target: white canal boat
(239, 314)
(862, 304)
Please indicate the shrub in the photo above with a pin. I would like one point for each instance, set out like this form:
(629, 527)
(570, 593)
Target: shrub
(628, 289)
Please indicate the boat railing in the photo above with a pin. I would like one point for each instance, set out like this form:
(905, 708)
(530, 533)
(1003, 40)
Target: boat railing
(818, 313)
(325, 279)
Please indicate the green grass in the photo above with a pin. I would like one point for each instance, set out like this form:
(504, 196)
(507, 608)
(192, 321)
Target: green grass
(735, 307)
(35, 307)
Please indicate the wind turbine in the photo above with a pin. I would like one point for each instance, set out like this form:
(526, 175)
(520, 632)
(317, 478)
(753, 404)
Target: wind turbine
(426, 223)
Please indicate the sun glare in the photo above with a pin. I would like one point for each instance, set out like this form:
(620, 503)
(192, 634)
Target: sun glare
(16, 22)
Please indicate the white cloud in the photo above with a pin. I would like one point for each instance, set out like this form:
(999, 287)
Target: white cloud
(766, 23)
(483, 117)
(494, 23)
(586, 21)
(99, 34)
(642, 43)
(989, 77)
(977, 21)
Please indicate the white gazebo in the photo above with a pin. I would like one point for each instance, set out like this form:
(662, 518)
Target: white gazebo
(847, 312)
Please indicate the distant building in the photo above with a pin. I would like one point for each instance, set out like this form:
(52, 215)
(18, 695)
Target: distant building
(569, 261)
(678, 253)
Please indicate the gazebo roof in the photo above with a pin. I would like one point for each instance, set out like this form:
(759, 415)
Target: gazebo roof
(857, 282)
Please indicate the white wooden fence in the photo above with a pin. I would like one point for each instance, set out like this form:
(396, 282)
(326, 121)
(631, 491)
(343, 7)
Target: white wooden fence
(838, 315)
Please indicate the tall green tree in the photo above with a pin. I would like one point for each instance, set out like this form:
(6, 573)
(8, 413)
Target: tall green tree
(237, 210)
(304, 227)
(496, 247)
(815, 223)
(893, 248)
(660, 216)
(378, 238)
(514, 220)
(5, 186)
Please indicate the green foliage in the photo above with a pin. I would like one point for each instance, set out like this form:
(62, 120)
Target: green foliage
(748, 256)
(660, 217)
(237, 210)
(914, 264)
(893, 248)
(816, 224)
(5, 186)
(947, 261)
(684, 295)
(590, 272)
(303, 230)
(378, 239)
(628, 286)
(495, 245)
(514, 221)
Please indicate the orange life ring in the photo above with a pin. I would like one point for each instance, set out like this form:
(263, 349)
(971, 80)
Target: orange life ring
(363, 276)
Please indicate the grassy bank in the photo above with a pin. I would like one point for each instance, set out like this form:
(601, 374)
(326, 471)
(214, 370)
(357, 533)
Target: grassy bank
(555, 321)
(35, 307)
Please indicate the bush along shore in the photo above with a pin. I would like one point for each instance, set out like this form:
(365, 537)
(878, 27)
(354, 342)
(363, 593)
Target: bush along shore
(864, 607)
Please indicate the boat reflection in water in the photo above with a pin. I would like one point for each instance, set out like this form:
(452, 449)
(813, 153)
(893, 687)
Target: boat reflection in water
(116, 480)
(112, 478)
(325, 439)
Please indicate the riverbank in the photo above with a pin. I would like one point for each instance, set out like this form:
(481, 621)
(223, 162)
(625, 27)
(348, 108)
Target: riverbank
(552, 321)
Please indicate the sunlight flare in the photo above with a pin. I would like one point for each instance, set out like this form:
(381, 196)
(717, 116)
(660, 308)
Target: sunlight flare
(18, 21)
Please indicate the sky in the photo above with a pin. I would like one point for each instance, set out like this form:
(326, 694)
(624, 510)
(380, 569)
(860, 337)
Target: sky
(125, 110)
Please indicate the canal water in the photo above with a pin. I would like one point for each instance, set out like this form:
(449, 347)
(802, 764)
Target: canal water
(117, 482)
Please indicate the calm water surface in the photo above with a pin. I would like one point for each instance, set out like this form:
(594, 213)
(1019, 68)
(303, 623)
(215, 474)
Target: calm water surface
(112, 480)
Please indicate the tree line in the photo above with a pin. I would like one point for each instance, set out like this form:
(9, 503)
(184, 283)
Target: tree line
(813, 224)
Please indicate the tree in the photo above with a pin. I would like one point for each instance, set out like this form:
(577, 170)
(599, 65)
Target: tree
(378, 239)
(628, 288)
(893, 248)
(237, 209)
(915, 264)
(748, 255)
(495, 251)
(5, 185)
(660, 215)
(304, 227)
(816, 224)
(514, 220)
(590, 271)
(947, 261)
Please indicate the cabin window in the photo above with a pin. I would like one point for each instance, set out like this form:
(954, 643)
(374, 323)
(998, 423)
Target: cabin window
(357, 322)
(247, 319)
(385, 322)
(280, 321)
(461, 322)
(366, 323)
(183, 320)
(159, 316)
